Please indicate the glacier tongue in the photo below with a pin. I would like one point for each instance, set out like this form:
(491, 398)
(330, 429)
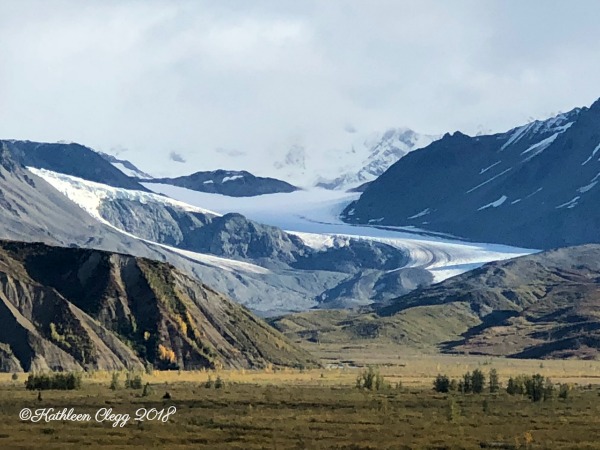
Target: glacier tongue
(311, 216)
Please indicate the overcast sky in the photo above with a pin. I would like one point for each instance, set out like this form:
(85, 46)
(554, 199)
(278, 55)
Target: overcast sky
(178, 86)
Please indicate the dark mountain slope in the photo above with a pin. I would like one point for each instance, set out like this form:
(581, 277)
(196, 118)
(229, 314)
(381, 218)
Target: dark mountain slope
(65, 308)
(228, 182)
(70, 159)
(534, 186)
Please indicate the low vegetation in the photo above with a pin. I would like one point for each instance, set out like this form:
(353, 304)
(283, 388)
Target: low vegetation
(368, 407)
(535, 387)
(371, 380)
(56, 381)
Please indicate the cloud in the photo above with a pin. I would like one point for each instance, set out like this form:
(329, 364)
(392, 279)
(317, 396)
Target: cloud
(174, 156)
(230, 152)
(261, 76)
(349, 128)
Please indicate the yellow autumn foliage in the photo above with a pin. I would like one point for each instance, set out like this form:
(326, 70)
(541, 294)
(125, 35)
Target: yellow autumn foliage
(166, 354)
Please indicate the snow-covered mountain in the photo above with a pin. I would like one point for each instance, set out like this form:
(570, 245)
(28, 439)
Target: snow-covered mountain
(228, 182)
(351, 160)
(535, 185)
(381, 150)
(267, 269)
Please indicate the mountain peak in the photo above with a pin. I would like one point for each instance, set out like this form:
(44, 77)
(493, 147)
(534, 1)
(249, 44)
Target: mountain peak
(521, 187)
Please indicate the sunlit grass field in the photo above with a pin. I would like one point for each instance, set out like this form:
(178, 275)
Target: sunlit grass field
(317, 409)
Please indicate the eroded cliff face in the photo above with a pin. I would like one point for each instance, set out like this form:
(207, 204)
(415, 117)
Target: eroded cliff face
(67, 308)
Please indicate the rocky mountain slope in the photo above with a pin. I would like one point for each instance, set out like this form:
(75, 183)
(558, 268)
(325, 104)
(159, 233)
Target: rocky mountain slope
(34, 210)
(534, 186)
(290, 271)
(537, 306)
(69, 158)
(66, 308)
(228, 182)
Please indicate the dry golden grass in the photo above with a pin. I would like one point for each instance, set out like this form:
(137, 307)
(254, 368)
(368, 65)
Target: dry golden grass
(411, 370)
(318, 409)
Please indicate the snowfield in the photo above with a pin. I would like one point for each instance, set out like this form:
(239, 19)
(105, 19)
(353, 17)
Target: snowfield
(89, 195)
(313, 215)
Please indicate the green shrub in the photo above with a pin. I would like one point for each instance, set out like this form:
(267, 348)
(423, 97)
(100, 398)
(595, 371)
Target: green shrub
(536, 387)
(477, 381)
(371, 380)
(114, 382)
(147, 390)
(58, 381)
(465, 385)
(441, 383)
(133, 381)
(516, 386)
(564, 391)
(219, 383)
(494, 381)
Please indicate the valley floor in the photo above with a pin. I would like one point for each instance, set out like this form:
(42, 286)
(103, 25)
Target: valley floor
(317, 409)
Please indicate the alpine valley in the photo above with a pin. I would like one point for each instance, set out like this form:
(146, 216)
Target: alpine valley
(106, 267)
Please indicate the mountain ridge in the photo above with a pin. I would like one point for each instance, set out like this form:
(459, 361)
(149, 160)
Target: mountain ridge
(234, 183)
(536, 306)
(69, 308)
(533, 186)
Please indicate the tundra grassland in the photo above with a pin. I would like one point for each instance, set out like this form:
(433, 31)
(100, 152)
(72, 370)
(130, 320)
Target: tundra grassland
(317, 409)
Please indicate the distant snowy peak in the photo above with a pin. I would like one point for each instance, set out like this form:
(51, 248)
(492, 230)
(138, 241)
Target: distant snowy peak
(125, 166)
(378, 152)
(228, 182)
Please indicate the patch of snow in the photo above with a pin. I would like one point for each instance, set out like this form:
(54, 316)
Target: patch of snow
(129, 172)
(421, 214)
(540, 146)
(591, 156)
(564, 128)
(443, 273)
(584, 189)
(516, 136)
(488, 181)
(482, 171)
(494, 204)
(515, 201)
(230, 265)
(534, 192)
(208, 182)
(231, 178)
(570, 204)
